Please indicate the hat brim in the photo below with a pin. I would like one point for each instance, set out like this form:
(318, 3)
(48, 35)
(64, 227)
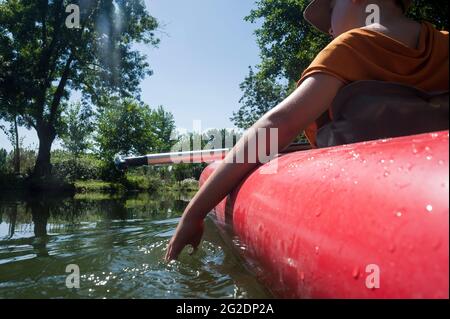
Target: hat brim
(318, 14)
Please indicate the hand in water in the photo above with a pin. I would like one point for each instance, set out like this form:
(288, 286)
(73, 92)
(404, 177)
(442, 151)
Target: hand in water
(189, 232)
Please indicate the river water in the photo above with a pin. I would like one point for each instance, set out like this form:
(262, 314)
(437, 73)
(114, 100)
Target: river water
(118, 244)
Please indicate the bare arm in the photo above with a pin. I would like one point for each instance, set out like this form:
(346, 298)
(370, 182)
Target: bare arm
(290, 117)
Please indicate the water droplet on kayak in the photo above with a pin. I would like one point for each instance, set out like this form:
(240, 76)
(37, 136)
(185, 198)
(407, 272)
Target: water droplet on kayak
(355, 182)
(392, 248)
(355, 272)
(409, 166)
(318, 213)
(386, 173)
(316, 249)
(398, 214)
(415, 150)
(441, 162)
(429, 158)
(382, 161)
(429, 208)
(291, 262)
(434, 135)
(302, 276)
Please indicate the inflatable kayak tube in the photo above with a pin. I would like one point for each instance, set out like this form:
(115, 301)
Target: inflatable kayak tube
(366, 220)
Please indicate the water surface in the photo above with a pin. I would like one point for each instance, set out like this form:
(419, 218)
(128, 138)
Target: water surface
(118, 244)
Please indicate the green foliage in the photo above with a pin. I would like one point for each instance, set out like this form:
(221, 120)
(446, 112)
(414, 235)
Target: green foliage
(13, 136)
(435, 11)
(211, 139)
(188, 184)
(183, 171)
(79, 126)
(128, 127)
(162, 127)
(10, 132)
(42, 61)
(98, 186)
(149, 183)
(261, 95)
(3, 161)
(70, 169)
(223, 138)
(288, 44)
(27, 159)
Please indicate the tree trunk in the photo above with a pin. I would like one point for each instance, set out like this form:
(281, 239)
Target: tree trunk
(46, 134)
(17, 150)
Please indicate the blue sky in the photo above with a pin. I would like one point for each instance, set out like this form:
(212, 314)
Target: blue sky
(204, 54)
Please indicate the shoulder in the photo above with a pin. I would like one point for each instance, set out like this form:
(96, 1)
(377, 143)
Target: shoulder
(351, 40)
(348, 43)
(441, 33)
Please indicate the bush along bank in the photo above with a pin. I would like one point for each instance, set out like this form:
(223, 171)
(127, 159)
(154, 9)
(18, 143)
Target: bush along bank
(88, 174)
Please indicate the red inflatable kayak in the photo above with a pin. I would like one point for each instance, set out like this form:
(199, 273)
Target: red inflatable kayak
(367, 220)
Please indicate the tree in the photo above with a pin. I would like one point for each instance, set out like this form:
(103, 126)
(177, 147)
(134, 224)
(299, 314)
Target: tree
(78, 128)
(123, 127)
(129, 127)
(43, 59)
(12, 133)
(223, 138)
(435, 12)
(288, 44)
(3, 162)
(261, 94)
(162, 126)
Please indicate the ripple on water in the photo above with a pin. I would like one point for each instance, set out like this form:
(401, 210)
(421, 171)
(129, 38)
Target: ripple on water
(119, 257)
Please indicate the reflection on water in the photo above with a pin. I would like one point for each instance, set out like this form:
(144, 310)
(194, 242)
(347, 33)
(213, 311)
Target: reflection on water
(118, 244)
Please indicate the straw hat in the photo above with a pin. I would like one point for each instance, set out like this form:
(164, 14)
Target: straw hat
(318, 13)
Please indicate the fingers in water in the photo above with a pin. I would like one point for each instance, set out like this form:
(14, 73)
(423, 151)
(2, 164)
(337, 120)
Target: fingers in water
(169, 253)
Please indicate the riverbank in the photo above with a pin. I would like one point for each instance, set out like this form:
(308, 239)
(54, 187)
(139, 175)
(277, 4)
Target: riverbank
(23, 186)
(135, 184)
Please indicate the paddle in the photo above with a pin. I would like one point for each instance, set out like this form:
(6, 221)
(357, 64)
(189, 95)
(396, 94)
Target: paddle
(201, 156)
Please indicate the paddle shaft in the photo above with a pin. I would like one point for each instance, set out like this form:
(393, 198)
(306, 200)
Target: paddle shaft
(201, 156)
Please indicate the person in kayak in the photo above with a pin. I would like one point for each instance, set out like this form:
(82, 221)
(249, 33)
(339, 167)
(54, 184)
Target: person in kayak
(395, 49)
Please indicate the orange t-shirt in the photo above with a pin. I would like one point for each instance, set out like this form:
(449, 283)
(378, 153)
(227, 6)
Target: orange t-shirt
(369, 55)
